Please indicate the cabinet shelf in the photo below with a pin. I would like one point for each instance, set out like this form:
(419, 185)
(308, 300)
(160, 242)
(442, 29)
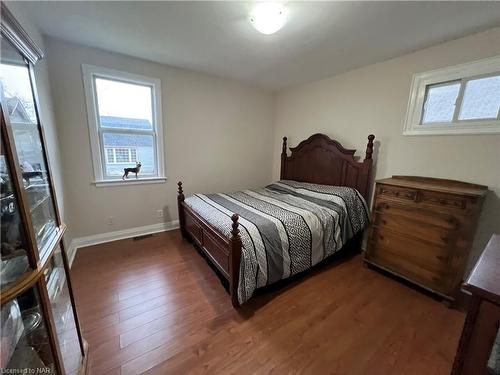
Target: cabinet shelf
(31, 276)
(45, 199)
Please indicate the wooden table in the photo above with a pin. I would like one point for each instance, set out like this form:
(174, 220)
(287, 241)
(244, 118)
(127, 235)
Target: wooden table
(483, 318)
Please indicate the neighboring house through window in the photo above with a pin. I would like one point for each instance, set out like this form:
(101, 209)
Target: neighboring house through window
(120, 155)
(22, 116)
(125, 126)
(463, 99)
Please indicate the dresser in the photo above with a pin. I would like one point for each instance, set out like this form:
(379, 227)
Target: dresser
(422, 230)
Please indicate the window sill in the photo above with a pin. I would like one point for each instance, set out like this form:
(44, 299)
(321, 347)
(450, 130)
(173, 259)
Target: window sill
(131, 181)
(460, 128)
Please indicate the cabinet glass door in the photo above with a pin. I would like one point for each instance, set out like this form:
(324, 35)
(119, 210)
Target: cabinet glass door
(14, 259)
(25, 345)
(62, 311)
(18, 102)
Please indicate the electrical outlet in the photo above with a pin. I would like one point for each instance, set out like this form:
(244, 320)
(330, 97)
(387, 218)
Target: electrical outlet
(159, 214)
(111, 220)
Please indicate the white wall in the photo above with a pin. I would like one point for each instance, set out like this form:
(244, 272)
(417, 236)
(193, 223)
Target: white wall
(373, 99)
(46, 111)
(218, 136)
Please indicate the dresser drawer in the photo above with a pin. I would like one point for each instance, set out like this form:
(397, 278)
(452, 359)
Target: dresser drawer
(418, 260)
(398, 192)
(417, 213)
(443, 200)
(414, 227)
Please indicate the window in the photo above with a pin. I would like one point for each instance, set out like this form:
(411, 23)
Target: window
(464, 99)
(121, 155)
(124, 112)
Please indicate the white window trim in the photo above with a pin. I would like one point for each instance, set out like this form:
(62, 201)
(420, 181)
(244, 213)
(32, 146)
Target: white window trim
(98, 153)
(463, 72)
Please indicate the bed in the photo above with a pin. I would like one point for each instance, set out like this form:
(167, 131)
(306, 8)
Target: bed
(258, 237)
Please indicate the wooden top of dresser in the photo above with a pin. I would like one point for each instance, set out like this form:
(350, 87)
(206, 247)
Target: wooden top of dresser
(436, 184)
(485, 277)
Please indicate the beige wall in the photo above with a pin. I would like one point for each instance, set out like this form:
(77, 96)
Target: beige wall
(373, 99)
(46, 112)
(218, 136)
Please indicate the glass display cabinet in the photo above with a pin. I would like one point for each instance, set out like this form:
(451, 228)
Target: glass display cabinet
(39, 329)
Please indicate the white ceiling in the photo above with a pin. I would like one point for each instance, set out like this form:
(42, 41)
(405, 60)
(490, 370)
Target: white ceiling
(318, 40)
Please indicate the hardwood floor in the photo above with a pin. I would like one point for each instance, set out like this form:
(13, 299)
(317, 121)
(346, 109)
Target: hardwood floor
(154, 306)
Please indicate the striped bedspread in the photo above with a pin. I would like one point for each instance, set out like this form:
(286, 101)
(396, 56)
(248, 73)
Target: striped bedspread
(286, 227)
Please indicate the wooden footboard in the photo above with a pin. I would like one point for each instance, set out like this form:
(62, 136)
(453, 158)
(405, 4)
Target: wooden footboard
(224, 253)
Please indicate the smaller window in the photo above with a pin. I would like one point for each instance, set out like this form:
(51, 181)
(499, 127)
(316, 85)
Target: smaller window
(463, 99)
(110, 155)
(121, 155)
(133, 155)
(481, 99)
(440, 102)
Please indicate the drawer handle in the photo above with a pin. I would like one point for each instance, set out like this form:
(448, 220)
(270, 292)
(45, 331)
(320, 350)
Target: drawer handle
(384, 222)
(444, 239)
(382, 206)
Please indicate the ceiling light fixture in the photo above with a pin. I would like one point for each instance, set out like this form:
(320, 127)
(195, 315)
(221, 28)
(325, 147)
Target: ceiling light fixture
(268, 18)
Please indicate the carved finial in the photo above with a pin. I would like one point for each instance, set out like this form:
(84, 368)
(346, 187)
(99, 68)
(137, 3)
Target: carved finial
(235, 232)
(284, 146)
(180, 192)
(369, 147)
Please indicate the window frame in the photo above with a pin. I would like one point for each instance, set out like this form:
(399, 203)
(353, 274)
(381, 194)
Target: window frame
(463, 73)
(99, 153)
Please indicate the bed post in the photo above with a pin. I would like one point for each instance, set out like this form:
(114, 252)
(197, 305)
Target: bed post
(283, 159)
(180, 208)
(234, 261)
(368, 162)
(369, 147)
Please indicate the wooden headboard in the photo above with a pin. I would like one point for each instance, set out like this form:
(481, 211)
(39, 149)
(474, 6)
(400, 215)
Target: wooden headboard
(322, 160)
